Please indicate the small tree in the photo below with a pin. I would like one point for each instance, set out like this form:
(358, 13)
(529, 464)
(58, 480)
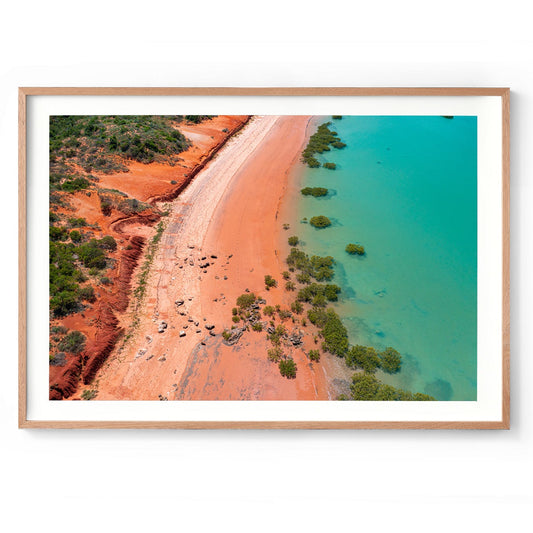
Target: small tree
(246, 300)
(74, 342)
(294, 240)
(320, 221)
(297, 307)
(275, 354)
(391, 361)
(290, 286)
(268, 310)
(355, 249)
(288, 368)
(314, 355)
(270, 282)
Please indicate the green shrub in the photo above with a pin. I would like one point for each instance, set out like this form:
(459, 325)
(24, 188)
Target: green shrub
(330, 166)
(73, 342)
(246, 300)
(104, 280)
(270, 282)
(64, 302)
(314, 355)
(338, 144)
(275, 354)
(288, 368)
(268, 310)
(196, 119)
(108, 243)
(75, 184)
(290, 286)
(355, 249)
(58, 234)
(364, 357)
(91, 255)
(336, 117)
(314, 191)
(77, 222)
(366, 387)
(391, 361)
(335, 334)
(75, 236)
(257, 326)
(286, 275)
(303, 277)
(297, 307)
(234, 311)
(279, 332)
(89, 394)
(284, 314)
(320, 221)
(293, 241)
(236, 318)
(327, 292)
(319, 142)
(87, 294)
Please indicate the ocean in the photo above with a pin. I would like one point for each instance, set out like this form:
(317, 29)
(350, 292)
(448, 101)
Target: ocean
(405, 188)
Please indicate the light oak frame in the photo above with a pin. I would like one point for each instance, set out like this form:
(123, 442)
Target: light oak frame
(503, 93)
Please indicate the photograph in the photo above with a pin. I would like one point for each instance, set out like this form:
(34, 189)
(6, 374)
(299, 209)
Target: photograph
(263, 257)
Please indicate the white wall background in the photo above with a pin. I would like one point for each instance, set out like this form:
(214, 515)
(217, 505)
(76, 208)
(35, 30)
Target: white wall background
(245, 480)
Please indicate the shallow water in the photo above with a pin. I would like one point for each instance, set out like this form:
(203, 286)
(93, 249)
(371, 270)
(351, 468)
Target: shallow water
(406, 189)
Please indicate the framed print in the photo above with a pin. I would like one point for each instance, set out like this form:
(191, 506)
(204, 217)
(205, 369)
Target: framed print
(264, 258)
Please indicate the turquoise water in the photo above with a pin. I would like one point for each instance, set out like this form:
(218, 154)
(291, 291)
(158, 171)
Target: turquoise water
(406, 189)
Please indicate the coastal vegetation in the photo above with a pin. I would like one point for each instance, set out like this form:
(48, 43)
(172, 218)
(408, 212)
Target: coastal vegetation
(140, 290)
(293, 241)
(314, 191)
(320, 221)
(97, 143)
(287, 368)
(366, 360)
(320, 142)
(330, 166)
(197, 119)
(336, 117)
(314, 355)
(270, 282)
(366, 387)
(355, 249)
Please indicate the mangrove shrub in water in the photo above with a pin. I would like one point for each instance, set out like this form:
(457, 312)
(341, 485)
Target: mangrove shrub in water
(314, 191)
(320, 221)
(355, 249)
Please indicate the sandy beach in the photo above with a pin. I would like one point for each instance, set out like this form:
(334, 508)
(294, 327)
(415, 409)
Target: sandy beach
(221, 237)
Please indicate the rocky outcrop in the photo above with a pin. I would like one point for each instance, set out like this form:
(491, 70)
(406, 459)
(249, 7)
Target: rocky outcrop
(233, 337)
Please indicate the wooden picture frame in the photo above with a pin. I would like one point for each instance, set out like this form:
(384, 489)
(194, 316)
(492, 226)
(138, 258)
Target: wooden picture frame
(26, 93)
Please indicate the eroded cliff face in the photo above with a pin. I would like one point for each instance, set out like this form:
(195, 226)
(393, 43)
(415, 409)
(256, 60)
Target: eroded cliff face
(102, 321)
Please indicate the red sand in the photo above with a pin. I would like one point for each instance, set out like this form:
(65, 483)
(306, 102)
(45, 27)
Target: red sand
(230, 209)
(247, 226)
(102, 321)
